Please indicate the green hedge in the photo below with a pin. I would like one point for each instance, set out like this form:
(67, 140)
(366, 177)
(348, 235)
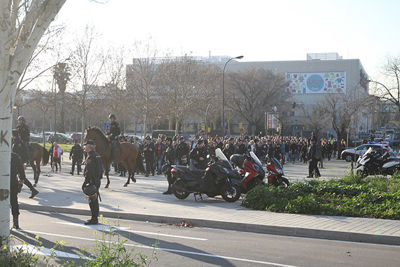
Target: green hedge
(376, 197)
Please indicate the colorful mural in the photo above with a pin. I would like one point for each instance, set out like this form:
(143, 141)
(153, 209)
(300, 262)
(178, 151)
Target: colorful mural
(316, 83)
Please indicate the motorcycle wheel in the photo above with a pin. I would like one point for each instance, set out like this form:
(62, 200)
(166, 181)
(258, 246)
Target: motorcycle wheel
(231, 192)
(179, 193)
(362, 174)
(284, 182)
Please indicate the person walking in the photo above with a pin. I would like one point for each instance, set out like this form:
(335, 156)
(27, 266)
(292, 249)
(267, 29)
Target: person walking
(313, 160)
(159, 152)
(148, 151)
(57, 154)
(17, 147)
(77, 156)
(17, 170)
(91, 185)
(24, 134)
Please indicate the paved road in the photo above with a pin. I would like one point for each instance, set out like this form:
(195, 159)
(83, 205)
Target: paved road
(183, 246)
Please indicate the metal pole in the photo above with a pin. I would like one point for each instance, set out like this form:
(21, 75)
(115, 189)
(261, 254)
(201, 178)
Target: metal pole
(223, 96)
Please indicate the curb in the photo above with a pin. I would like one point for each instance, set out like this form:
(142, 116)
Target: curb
(253, 228)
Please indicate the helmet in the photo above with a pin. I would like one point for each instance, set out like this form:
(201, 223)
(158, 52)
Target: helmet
(237, 160)
(112, 116)
(21, 118)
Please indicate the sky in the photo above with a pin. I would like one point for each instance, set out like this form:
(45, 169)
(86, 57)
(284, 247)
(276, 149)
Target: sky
(260, 30)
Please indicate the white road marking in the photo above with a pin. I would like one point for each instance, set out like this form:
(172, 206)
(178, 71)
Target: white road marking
(168, 250)
(46, 252)
(107, 228)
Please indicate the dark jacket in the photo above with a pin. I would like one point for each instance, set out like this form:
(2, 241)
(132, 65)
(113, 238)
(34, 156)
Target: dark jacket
(17, 169)
(162, 150)
(76, 152)
(311, 152)
(198, 153)
(18, 147)
(148, 150)
(182, 150)
(114, 130)
(24, 133)
(170, 154)
(90, 172)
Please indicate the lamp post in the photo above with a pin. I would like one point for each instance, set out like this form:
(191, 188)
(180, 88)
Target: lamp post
(223, 93)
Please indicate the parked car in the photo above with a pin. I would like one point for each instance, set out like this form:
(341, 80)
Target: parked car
(60, 138)
(353, 153)
(36, 138)
(76, 136)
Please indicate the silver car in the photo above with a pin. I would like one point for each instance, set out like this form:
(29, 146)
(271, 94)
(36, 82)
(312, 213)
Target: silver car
(353, 153)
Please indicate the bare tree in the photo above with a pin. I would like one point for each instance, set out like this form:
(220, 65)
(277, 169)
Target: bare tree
(86, 64)
(316, 118)
(23, 23)
(389, 91)
(62, 75)
(141, 81)
(253, 92)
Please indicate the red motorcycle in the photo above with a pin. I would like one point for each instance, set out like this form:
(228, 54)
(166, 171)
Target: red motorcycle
(275, 173)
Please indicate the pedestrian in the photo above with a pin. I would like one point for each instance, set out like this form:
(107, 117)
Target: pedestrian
(170, 159)
(313, 160)
(182, 152)
(77, 156)
(17, 170)
(159, 153)
(24, 134)
(148, 151)
(57, 154)
(91, 185)
(17, 147)
(198, 156)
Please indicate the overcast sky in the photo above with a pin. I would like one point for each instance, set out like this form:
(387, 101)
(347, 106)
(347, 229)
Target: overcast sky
(259, 30)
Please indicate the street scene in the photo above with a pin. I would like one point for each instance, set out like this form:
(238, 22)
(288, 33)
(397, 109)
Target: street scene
(212, 133)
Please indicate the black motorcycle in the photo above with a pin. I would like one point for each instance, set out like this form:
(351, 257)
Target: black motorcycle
(375, 163)
(215, 180)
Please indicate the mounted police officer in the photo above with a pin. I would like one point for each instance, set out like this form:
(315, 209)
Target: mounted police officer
(17, 148)
(113, 132)
(92, 181)
(24, 134)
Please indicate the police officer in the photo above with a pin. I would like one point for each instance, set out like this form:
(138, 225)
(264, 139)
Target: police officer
(77, 156)
(198, 155)
(91, 178)
(24, 134)
(113, 132)
(170, 159)
(17, 169)
(17, 147)
(148, 151)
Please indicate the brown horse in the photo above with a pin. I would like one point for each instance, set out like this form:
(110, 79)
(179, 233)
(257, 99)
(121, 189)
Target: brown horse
(37, 154)
(127, 154)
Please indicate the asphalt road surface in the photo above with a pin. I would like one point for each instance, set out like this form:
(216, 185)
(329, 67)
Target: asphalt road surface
(177, 245)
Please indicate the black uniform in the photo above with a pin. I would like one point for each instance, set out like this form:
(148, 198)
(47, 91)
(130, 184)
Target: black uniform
(17, 168)
(18, 148)
(23, 132)
(148, 151)
(90, 174)
(313, 167)
(198, 153)
(170, 154)
(113, 132)
(77, 157)
(182, 150)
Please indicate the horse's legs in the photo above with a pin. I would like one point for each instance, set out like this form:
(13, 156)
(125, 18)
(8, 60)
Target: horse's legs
(37, 172)
(127, 167)
(108, 179)
(133, 168)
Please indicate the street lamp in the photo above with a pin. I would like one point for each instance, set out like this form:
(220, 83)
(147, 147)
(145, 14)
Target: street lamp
(223, 93)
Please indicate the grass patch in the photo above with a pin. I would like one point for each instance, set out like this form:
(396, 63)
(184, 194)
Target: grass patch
(375, 197)
(64, 147)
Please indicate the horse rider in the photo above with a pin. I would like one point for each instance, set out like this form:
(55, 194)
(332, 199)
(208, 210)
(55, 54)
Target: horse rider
(113, 132)
(24, 134)
(17, 148)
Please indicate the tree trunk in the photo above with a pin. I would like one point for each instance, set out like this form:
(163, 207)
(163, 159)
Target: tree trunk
(83, 127)
(5, 155)
(62, 115)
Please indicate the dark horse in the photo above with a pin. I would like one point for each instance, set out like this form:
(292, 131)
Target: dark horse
(37, 154)
(127, 154)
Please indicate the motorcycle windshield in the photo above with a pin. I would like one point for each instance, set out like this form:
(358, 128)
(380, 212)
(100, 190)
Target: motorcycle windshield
(221, 156)
(368, 151)
(255, 158)
(277, 164)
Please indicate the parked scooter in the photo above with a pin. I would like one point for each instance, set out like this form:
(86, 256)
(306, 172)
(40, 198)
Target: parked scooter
(275, 173)
(254, 179)
(374, 163)
(215, 180)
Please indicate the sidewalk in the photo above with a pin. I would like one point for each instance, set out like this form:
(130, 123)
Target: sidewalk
(145, 201)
